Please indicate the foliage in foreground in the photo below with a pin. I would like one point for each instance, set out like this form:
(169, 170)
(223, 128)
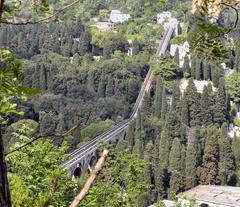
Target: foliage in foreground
(121, 182)
(34, 175)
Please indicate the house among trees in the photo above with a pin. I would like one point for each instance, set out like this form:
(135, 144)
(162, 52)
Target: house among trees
(117, 16)
(104, 26)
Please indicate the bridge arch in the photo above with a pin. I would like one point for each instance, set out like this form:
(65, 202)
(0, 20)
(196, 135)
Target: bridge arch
(77, 172)
(92, 161)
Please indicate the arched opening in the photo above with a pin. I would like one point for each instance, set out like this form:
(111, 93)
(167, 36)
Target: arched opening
(204, 205)
(93, 161)
(77, 172)
(124, 136)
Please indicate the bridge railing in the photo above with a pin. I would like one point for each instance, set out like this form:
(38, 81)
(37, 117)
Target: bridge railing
(90, 147)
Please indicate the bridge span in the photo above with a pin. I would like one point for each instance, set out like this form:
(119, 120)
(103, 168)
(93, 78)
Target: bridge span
(84, 157)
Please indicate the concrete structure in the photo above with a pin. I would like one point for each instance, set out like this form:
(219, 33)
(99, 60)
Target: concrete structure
(117, 16)
(183, 50)
(167, 20)
(219, 196)
(199, 85)
(83, 158)
(104, 26)
(163, 17)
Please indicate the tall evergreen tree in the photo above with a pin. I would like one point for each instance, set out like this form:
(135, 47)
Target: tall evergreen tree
(226, 159)
(209, 169)
(175, 96)
(191, 167)
(164, 105)
(90, 81)
(215, 76)
(158, 97)
(206, 70)
(84, 45)
(176, 56)
(175, 167)
(101, 86)
(198, 70)
(136, 47)
(206, 116)
(193, 103)
(193, 67)
(146, 104)
(109, 87)
(138, 145)
(130, 136)
(43, 77)
(186, 66)
(236, 153)
(175, 156)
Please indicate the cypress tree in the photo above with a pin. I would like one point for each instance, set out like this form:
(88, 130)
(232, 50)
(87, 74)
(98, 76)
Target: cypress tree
(138, 145)
(206, 116)
(101, 87)
(164, 104)
(206, 71)
(150, 156)
(75, 47)
(176, 56)
(130, 136)
(162, 175)
(158, 97)
(109, 87)
(209, 169)
(190, 167)
(161, 182)
(236, 151)
(135, 47)
(186, 66)
(193, 67)
(90, 81)
(222, 96)
(218, 111)
(164, 150)
(175, 168)
(198, 70)
(43, 77)
(226, 159)
(193, 103)
(176, 95)
(84, 45)
(172, 125)
(215, 76)
(185, 118)
(175, 156)
(146, 104)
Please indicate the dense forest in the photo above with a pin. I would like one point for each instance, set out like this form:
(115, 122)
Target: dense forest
(64, 72)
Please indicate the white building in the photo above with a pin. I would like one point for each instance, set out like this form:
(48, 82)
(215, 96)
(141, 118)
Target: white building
(117, 16)
(163, 17)
(183, 50)
(217, 196)
(104, 26)
(209, 196)
(199, 85)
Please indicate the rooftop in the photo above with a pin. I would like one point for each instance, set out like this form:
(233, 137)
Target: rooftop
(220, 195)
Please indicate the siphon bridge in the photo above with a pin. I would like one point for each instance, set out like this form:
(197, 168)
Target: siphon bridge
(84, 157)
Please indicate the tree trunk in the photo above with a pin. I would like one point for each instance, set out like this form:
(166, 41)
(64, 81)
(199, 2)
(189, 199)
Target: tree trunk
(5, 200)
(90, 180)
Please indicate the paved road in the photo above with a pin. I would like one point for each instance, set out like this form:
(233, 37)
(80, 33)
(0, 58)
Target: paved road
(79, 154)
